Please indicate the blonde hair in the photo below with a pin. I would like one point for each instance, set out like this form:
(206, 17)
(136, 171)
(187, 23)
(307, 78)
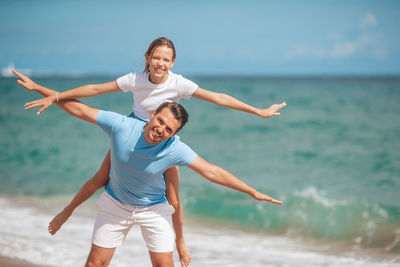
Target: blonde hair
(162, 41)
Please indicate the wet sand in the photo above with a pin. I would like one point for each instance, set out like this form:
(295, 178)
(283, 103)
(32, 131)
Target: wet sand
(13, 262)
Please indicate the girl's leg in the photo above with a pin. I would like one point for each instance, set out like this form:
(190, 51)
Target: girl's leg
(87, 190)
(172, 181)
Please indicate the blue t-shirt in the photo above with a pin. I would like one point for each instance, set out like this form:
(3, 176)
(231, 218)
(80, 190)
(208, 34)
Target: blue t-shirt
(137, 167)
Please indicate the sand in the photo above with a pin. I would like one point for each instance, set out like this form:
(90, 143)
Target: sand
(13, 262)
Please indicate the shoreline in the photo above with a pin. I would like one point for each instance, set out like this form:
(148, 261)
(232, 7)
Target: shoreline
(15, 262)
(63, 250)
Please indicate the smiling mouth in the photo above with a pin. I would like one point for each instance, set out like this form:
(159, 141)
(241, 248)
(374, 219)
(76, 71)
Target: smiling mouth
(155, 134)
(159, 70)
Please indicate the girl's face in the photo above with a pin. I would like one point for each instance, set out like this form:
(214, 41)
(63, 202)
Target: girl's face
(160, 62)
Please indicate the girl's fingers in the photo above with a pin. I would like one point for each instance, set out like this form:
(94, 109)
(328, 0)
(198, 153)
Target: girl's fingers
(17, 74)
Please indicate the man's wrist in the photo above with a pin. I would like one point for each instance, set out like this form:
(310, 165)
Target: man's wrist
(259, 112)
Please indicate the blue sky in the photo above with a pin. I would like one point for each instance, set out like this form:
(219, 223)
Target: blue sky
(341, 37)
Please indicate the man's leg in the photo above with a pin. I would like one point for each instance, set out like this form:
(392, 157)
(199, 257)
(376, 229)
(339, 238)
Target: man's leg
(161, 259)
(157, 231)
(99, 257)
(111, 227)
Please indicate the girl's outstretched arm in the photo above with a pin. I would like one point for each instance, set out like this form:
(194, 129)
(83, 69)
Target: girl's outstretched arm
(73, 107)
(83, 91)
(233, 103)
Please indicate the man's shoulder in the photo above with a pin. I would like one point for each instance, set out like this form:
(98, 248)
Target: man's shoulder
(181, 153)
(177, 144)
(114, 118)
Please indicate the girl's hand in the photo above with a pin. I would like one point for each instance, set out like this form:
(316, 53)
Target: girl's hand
(272, 110)
(262, 197)
(44, 103)
(26, 82)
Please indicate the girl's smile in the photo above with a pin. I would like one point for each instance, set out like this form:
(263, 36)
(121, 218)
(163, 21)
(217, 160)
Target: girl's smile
(160, 62)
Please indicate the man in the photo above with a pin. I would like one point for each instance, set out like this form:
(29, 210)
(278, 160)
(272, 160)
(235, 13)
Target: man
(140, 153)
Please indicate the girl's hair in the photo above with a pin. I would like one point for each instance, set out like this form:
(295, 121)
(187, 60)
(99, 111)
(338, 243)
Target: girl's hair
(162, 41)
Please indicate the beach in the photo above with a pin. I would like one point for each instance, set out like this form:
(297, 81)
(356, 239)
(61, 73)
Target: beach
(13, 262)
(331, 157)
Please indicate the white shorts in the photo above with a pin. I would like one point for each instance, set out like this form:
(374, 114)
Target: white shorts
(114, 220)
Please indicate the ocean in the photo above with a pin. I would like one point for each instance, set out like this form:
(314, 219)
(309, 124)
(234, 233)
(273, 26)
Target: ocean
(332, 157)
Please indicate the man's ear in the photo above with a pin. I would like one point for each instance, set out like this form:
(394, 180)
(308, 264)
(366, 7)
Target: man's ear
(152, 115)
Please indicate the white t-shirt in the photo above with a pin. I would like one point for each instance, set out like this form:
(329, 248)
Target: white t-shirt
(147, 96)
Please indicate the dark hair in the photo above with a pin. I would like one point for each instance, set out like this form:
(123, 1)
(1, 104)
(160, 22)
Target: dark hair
(162, 41)
(177, 110)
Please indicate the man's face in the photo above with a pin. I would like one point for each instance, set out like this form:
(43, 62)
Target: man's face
(161, 127)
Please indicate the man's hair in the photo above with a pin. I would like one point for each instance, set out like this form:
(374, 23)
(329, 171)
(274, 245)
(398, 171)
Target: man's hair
(177, 110)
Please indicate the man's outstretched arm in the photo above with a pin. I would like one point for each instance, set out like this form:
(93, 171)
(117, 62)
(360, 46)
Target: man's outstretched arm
(220, 176)
(73, 107)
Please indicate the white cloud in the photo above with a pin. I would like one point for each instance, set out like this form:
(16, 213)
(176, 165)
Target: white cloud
(343, 50)
(368, 20)
(300, 51)
(364, 43)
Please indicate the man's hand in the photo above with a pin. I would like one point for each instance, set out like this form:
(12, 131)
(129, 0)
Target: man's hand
(44, 103)
(272, 110)
(262, 197)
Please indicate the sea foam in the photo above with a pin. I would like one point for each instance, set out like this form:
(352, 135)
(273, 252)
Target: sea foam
(24, 235)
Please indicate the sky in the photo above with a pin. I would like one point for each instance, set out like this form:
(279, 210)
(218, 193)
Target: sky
(320, 37)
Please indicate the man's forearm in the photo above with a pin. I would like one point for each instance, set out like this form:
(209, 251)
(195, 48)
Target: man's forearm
(225, 178)
(220, 176)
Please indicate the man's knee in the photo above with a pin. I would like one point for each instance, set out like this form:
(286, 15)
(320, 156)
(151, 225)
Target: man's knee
(161, 259)
(99, 257)
(170, 264)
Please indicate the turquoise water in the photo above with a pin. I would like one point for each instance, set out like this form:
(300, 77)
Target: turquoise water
(333, 156)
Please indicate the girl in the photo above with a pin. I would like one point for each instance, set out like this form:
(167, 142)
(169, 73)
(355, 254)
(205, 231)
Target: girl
(151, 87)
